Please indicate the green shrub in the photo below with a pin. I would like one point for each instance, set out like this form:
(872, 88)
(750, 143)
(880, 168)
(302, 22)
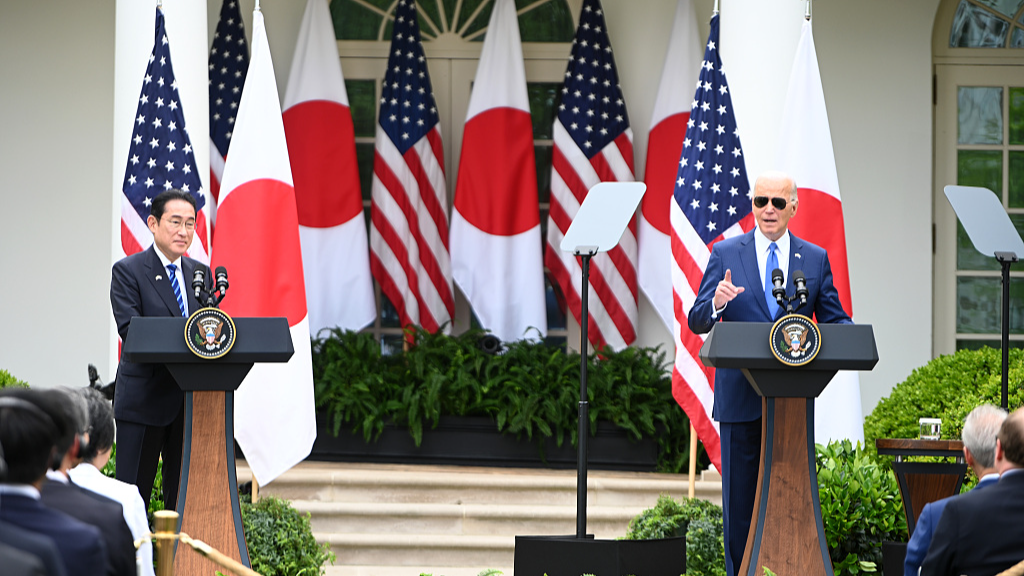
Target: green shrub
(280, 539)
(531, 390)
(8, 380)
(860, 507)
(699, 519)
(948, 387)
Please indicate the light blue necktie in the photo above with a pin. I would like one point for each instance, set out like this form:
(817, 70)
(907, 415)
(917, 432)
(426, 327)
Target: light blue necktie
(772, 264)
(177, 287)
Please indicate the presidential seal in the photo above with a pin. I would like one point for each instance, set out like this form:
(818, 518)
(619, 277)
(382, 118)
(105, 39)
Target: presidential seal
(209, 333)
(795, 340)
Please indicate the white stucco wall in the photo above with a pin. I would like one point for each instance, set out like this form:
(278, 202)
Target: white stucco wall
(58, 80)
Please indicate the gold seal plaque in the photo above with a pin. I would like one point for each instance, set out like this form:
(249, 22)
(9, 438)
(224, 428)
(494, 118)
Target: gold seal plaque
(210, 333)
(795, 340)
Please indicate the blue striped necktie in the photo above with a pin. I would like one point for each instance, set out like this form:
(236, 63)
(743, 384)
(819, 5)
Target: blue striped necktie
(177, 287)
(771, 265)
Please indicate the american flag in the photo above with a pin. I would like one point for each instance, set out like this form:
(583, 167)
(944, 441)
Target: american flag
(593, 143)
(229, 61)
(160, 155)
(712, 202)
(408, 215)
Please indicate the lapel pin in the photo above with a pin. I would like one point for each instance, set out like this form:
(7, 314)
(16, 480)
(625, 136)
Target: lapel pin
(798, 255)
(159, 277)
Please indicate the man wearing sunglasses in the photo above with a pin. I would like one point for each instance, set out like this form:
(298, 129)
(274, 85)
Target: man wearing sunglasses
(736, 287)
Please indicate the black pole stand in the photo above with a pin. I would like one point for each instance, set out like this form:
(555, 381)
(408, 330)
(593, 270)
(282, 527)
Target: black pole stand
(585, 253)
(1005, 259)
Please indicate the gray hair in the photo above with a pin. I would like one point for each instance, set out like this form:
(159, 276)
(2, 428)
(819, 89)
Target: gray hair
(979, 434)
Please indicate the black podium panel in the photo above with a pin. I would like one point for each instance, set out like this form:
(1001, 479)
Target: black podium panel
(572, 556)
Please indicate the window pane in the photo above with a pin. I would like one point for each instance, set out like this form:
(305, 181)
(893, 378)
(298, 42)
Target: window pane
(428, 9)
(391, 344)
(980, 168)
(1016, 184)
(1007, 8)
(388, 313)
(549, 22)
(364, 158)
(978, 305)
(542, 156)
(353, 21)
(979, 344)
(556, 314)
(980, 115)
(543, 96)
(1017, 39)
(973, 27)
(479, 20)
(362, 100)
(1016, 115)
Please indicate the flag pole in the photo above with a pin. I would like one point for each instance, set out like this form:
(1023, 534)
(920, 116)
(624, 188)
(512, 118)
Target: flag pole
(693, 462)
(716, 8)
(807, 11)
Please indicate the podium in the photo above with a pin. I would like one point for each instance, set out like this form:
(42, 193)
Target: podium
(786, 531)
(208, 494)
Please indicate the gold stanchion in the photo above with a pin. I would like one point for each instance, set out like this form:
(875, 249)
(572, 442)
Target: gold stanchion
(255, 490)
(693, 462)
(166, 522)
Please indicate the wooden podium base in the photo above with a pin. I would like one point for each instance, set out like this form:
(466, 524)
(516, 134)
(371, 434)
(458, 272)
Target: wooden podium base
(786, 531)
(208, 496)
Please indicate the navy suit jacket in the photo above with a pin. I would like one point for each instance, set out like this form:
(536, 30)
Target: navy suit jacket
(921, 539)
(139, 286)
(80, 545)
(980, 533)
(101, 512)
(735, 399)
(38, 545)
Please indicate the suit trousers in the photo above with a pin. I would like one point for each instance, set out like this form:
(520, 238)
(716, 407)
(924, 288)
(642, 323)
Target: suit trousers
(741, 459)
(139, 449)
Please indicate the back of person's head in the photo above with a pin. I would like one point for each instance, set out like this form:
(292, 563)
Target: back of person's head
(72, 410)
(1011, 437)
(979, 434)
(28, 433)
(101, 423)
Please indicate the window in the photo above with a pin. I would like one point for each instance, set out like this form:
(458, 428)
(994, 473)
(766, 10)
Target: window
(453, 31)
(979, 141)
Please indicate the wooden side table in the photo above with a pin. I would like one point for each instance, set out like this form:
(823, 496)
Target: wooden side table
(924, 482)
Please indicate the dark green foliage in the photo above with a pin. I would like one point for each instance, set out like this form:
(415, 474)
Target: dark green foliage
(948, 387)
(530, 390)
(280, 539)
(700, 520)
(860, 507)
(8, 380)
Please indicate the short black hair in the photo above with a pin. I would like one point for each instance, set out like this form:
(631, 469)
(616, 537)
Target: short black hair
(27, 434)
(156, 209)
(68, 410)
(1011, 437)
(101, 423)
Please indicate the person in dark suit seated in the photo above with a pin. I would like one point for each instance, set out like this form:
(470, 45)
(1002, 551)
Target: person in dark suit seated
(979, 437)
(736, 287)
(38, 545)
(18, 563)
(59, 493)
(981, 533)
(148, 405)
(30, 426)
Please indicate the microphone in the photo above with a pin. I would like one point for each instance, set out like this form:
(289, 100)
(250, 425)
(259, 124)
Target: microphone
(801, 285)
(779, 290)
(222, 279)
(198, 281)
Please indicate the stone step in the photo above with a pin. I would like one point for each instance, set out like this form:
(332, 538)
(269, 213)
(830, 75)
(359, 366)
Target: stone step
(466, 519)
(409, 571)
(416, 550)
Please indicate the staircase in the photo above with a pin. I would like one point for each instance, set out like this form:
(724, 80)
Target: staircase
(400, 520)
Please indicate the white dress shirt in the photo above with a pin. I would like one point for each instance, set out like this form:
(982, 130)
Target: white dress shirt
(88, 477)
(761, 245)
(178, 272)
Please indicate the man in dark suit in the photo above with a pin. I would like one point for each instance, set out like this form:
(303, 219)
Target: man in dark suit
(38, 545)
(980, 533)
(30, 426)
(148, 405)
(737, 287)
(59, 493)
(979, 437)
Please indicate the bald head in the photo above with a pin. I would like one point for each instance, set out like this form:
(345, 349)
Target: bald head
(776, 179)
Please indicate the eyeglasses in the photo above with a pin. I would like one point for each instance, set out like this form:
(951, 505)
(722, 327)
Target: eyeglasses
(762, 201)
(176, 223)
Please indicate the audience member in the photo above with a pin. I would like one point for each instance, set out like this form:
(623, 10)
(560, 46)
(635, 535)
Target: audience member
(59, 493)
(980, 533)
(30, 427)
(979, 437)
(88, 475)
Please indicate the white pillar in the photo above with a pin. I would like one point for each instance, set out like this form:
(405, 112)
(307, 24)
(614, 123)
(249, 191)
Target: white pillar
(759, 39)
(133, 42)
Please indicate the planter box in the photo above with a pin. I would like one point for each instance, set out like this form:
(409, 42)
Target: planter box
(475, 441)
(571, 556)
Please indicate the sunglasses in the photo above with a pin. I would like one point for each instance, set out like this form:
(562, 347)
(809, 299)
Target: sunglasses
(762, 201)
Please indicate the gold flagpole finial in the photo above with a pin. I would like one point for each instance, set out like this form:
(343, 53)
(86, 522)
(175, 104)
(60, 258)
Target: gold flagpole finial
(716, 8)
(807, 11)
